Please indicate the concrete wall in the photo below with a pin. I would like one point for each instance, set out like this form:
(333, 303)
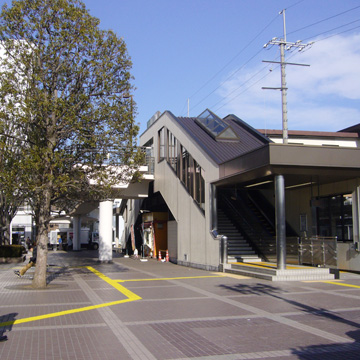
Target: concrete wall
(172, 240)
(195, 245)
(348, 257)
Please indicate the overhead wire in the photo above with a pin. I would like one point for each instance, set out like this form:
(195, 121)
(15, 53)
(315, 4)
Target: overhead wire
(323, 20)
(256, 82)
(244, 83)
(224, 81)
(336, 28)
(252, 57)
(229, 62)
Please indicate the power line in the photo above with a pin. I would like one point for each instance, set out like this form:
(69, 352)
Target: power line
(223, 82)
(228, 63)
(297, 3)
(241, 67)
(320, 21)
(336, 28)
(235, 97)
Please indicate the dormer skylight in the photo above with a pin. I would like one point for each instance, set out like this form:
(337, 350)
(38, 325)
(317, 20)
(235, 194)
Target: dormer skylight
(215, 126)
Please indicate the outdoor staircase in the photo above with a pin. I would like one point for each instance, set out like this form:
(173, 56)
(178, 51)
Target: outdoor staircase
(268, 271)
(238, 249)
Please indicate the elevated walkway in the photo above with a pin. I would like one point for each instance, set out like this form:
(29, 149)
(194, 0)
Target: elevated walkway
(268, 271)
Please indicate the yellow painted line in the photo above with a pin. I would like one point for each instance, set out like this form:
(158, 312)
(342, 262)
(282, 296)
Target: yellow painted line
(342, 284)
(62, 313)
(271, 266)
(129, 294)
(234, 276)
(115, 284)
(173, 278)
(319, 281)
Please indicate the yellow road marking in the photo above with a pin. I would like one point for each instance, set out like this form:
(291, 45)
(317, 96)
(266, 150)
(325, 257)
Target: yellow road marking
(114, 283)
(342, 284)
(317, 281)
(235, 276)
(173, 278)
(271, 265)
(129, 294)
(62, 313)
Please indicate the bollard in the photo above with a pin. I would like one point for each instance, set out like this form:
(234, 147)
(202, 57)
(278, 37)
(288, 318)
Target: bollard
(223, 251)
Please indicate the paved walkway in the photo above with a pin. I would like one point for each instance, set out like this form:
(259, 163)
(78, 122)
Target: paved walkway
(153, 310)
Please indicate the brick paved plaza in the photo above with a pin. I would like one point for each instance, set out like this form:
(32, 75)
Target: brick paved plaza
(152, 310)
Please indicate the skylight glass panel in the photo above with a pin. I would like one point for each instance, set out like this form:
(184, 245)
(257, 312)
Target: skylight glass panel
(215, 126)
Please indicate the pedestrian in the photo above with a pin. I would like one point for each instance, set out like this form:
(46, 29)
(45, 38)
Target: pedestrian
(28, 243)
(32, 262)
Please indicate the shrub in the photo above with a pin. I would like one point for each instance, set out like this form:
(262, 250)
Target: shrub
(11, 250)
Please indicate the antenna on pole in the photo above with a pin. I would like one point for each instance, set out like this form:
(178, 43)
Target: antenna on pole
(284, 45)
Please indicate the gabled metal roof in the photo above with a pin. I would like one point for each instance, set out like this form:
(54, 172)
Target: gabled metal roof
(220, 150)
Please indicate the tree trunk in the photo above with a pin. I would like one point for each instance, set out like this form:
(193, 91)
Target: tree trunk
(42, 215)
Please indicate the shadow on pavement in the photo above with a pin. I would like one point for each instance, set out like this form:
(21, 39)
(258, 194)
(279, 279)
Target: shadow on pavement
(6, 323)
(315, 352)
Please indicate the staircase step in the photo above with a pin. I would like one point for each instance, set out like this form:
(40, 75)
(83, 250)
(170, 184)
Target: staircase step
(273, 274)
(239, 249)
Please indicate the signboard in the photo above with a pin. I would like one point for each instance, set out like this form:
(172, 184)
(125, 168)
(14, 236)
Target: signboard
(53, 237)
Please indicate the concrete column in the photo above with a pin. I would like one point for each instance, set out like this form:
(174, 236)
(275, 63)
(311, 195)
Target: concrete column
(77, 233)
(280, 222)
(117, 230)
(105, 231)
(356, 216)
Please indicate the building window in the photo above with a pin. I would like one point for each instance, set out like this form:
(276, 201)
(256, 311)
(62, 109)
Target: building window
(172, 151)
(190, 173)
(186, 168)
(334, 217)
(161, 138)
(199, 186)
(184, 162)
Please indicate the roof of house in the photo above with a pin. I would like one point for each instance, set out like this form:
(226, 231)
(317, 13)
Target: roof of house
(219, 150)
(249, 138)
(354, 128)
(309, 134)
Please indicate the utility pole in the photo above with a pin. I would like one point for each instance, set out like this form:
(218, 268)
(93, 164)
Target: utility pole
(284, 45)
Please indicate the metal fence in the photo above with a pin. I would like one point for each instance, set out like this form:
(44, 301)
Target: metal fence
(318, 251)
(315, 251)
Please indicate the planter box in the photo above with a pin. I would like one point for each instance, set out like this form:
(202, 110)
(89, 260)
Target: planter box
(9, 260)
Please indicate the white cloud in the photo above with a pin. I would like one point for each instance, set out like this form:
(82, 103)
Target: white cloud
(324, 96)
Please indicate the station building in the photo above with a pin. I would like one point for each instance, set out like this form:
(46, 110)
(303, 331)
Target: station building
(289, 202)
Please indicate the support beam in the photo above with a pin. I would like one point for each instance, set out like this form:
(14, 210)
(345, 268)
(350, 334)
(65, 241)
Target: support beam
(280, 222)
(105, 231)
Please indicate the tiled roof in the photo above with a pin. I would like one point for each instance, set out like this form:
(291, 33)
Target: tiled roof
(224, 150)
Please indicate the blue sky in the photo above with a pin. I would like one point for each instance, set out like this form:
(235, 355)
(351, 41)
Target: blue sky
(211, 52)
